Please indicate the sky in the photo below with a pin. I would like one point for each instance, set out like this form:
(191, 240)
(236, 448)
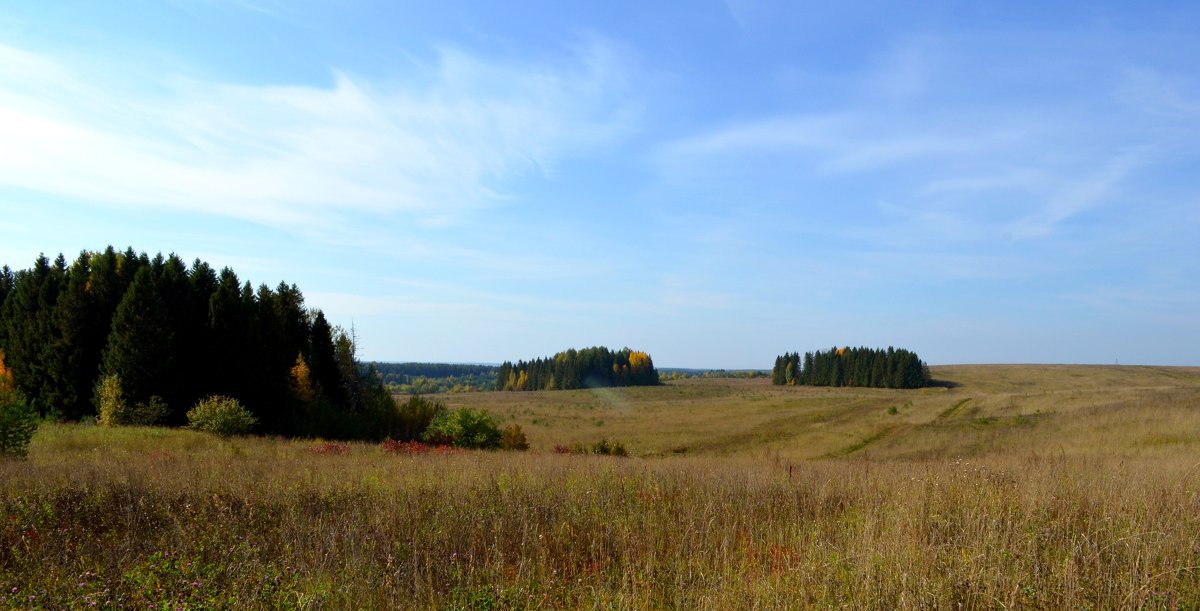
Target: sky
(714, 183)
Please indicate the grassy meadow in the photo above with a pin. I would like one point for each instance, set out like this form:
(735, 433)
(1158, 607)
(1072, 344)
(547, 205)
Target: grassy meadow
(1039, 487)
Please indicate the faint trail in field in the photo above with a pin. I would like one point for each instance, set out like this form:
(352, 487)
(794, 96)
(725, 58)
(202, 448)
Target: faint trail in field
(887, 431)
(954, 408)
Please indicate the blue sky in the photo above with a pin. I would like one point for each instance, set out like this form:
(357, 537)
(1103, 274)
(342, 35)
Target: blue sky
(714, 183)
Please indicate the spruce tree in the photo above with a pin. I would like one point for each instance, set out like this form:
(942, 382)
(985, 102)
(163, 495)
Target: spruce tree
(226, 337)
(140, 346)
(26, 319)
(322, 361)
(75, 356)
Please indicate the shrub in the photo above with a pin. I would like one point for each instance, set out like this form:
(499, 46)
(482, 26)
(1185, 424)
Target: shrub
(221, 416)
(18, 422)
(412, 417)
(115, 411)
(513, 438)
(604, 447)
(110, 401)
(464, 428)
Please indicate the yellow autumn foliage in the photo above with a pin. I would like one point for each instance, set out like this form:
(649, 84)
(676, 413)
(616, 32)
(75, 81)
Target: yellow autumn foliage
(639, 361)
(6, 378)
(301, 381)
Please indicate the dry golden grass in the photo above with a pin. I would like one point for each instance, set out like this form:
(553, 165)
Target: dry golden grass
(1021, 487)
(990, 409)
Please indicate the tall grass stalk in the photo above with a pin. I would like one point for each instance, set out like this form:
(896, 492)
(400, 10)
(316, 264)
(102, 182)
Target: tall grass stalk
(133, 520)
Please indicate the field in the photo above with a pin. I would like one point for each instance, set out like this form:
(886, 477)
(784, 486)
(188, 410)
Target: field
(1005, 487)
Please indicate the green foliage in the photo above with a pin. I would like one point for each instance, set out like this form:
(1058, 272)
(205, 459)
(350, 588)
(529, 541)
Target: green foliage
(412, 417)
(513, 438)
(464, 428)
(596, 367)
(18, 422)
(221, 416)
(116, 411)
(110, 401)
(876, 368)
(428, 378)
(180, 334)
(141, 346)
(604, 447)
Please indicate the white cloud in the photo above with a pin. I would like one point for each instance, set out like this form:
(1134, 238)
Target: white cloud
(298, 155)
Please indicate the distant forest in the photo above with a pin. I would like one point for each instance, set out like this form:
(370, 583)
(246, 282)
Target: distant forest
(176, 334)
(423, 378)
(891, 368)
(595, 367)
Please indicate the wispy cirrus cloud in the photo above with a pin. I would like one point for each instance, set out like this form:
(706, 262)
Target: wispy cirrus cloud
(446, 139)
(1015, 160)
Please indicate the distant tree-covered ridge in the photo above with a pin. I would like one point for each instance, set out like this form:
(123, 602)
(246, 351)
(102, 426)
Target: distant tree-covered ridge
(595, 367)
(175, 334)
(871, 367)
(425, 378)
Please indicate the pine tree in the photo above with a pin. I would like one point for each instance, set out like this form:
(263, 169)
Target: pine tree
(140, 346)
(6, 286)
(777, 376)
(323, 362)
(76, 352)
(26, 318)
(227, 338)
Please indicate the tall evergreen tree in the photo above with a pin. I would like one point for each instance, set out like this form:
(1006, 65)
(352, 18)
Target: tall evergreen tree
(6, 283)
(74, 358)
(227, 341)
(140, 346)
(26, 320)
(184, 334)
(323, 362)
(175, 288)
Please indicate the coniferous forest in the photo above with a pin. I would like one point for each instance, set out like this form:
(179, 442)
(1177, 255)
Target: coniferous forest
(174, 334)
(876, 368)
(595, 367)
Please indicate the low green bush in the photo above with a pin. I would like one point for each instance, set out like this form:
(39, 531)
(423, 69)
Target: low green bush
(221, 416)
(464, 428)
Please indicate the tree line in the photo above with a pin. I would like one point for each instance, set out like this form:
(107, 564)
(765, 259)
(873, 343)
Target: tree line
(871, 367)
(173, 334)
(595, 367)
(426, 378)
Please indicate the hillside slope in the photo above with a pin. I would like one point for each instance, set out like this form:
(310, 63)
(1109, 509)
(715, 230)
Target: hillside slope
(978, 409)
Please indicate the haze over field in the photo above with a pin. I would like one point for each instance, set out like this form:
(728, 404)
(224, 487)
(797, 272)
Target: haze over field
(711, 183)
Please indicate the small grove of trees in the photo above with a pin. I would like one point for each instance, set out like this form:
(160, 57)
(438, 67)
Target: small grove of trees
(877, 368)
(596, 367)
(173, 334)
